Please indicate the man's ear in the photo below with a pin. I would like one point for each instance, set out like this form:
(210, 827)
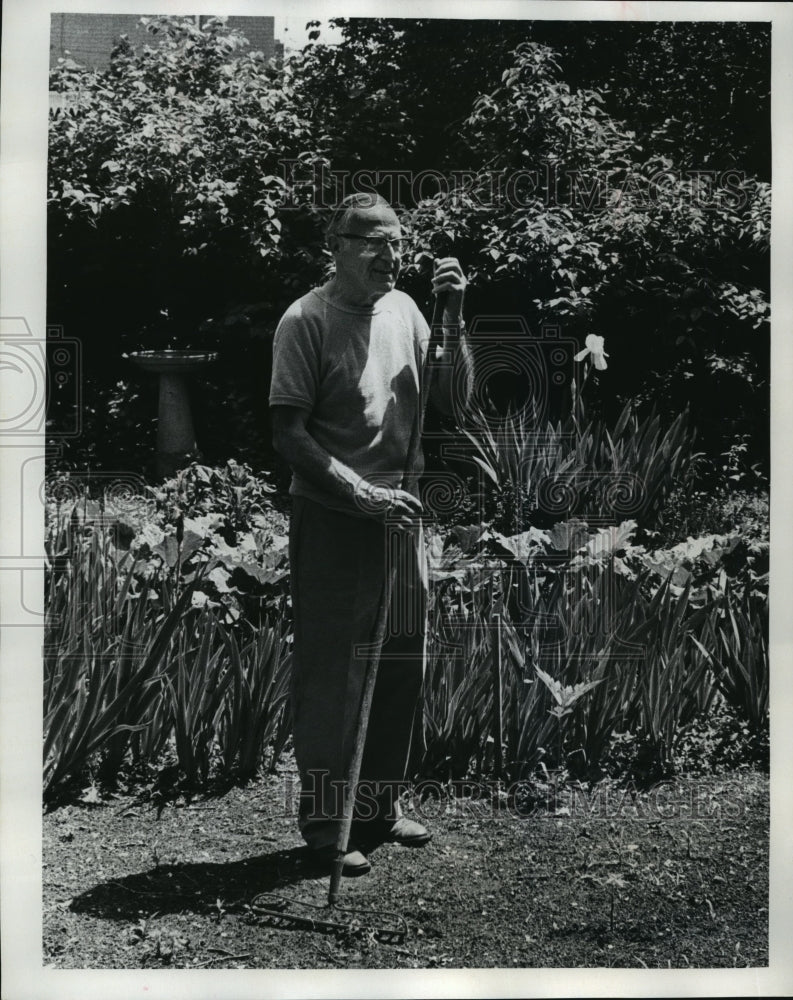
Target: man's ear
(334, 243)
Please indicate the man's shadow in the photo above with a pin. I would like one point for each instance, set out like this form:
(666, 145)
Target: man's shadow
(197, 887)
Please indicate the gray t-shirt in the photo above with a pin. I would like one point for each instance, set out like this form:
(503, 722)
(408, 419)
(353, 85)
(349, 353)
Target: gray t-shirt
(357, 373)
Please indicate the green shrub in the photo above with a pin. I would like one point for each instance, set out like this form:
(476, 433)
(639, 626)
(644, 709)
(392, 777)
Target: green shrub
(136, 658)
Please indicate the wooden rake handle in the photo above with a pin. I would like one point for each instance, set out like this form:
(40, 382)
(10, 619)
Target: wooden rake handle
(373, 663)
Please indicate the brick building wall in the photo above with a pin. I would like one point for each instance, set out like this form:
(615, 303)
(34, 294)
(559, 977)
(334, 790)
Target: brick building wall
(89, 38)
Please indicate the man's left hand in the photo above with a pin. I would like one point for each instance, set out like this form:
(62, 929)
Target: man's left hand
(449, 281)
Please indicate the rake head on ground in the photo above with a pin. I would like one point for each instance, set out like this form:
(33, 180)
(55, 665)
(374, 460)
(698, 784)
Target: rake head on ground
(286, 913)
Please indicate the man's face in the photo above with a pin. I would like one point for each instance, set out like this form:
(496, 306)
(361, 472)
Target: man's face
(367, 271)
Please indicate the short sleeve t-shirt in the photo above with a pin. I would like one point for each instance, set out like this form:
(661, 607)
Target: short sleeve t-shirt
(357, 373)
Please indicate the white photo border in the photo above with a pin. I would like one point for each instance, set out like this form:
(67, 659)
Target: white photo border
(23, 157)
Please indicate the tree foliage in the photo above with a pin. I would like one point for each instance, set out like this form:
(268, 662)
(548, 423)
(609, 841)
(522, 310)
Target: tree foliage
(165, 213)
(608, 177)
(570, 222)
(177, 148)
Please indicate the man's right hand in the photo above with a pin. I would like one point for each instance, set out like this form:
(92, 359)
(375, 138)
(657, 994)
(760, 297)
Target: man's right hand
(387, 503)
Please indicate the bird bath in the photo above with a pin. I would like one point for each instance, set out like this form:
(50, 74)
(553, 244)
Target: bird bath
(176, 443)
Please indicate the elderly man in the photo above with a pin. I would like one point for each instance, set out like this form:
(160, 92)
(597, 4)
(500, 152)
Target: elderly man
(347, 363)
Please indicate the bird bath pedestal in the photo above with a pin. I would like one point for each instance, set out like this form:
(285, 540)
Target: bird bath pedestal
(176, 443)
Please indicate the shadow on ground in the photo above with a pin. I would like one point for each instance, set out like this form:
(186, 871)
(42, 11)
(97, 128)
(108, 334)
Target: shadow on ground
(196, 887)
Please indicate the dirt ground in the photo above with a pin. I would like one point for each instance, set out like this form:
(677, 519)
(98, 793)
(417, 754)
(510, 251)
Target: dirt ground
(674, 878)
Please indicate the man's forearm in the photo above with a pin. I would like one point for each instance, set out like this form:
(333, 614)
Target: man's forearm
(310, 461)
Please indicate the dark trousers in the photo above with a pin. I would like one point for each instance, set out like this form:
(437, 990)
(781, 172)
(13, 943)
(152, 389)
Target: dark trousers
(338, 566)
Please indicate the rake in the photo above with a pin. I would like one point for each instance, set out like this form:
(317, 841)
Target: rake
(370, 676)
(283, 912)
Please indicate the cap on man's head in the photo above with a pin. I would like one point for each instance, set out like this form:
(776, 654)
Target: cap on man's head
(358, 201)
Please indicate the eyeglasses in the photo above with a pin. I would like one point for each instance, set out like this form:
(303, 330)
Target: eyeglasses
(377, 244)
